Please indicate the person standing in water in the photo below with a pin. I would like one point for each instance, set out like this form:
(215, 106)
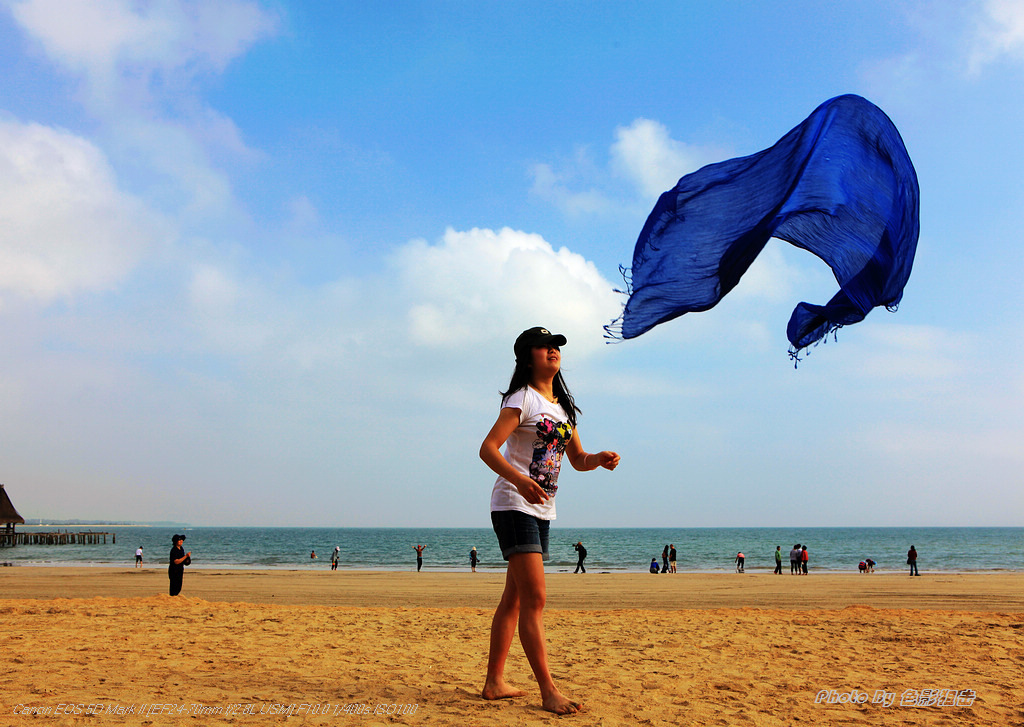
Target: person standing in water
(537, 426)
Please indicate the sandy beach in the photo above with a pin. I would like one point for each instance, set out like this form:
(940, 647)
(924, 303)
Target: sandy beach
(108, 646)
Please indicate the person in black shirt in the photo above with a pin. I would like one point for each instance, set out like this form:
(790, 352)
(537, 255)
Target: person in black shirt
(178, 560)
(583, 556)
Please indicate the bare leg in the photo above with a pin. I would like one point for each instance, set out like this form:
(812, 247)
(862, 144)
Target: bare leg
(525, 583)
(503, 628)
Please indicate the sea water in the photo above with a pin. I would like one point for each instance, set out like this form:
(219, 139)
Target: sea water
(609, 549)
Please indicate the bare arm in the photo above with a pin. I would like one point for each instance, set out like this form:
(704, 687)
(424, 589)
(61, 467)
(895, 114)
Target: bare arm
(490, 453)
(584, 461)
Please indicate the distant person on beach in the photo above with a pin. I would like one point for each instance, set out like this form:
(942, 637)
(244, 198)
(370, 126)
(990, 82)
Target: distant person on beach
(912, 560)
(178, 560)
(419, 556)
(804, 557)
(739, 562)
(335, 556)
(473, 559)
(664, 560)
(672, 558)
(581, 554)
(312, 555)
(862, 567)
(794, 560)
(537, 426)
(654, 565)
(138, 557)
(871, 565)
(778, 560)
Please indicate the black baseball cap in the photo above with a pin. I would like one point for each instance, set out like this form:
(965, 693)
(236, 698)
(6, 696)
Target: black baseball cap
(536, 336)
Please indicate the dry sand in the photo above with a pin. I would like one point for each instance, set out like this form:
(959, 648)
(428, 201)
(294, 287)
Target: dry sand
(108, 646)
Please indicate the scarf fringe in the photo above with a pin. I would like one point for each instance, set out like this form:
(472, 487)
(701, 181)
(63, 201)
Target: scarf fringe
(794, 353)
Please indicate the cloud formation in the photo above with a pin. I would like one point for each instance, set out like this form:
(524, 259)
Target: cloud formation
(139, 69)
(645, 154)
(480, 284)
(999, 34)
(66, 225)
(643, 161)
(111, 42)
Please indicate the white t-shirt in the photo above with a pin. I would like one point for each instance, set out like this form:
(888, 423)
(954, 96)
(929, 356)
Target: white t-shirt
(535, 447)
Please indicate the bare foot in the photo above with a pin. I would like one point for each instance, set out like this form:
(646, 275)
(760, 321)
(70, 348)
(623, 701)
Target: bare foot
(558, 704)
(500, 690)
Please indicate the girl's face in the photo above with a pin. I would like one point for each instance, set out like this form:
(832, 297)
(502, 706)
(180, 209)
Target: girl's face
(546, 360)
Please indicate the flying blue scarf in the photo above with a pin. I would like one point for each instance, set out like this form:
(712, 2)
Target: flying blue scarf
(839, 185)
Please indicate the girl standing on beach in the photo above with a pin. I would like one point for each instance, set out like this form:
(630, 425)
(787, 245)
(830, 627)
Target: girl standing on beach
(537, 425)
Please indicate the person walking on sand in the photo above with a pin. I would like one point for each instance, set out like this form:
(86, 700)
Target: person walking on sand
(138, 557)
(537, 426)
(581, 553)
(473, 559)
(335, 556)
(912, 560)
(778, 560)
(176, 566)
(419, 556)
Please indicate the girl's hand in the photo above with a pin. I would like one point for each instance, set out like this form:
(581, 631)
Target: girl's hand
(608, 460)
(532, 492)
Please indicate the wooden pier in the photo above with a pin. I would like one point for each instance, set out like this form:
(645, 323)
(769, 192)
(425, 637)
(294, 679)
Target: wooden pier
(8, 539)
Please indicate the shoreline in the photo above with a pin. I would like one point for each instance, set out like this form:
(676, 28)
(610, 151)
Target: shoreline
(992, 592)
(549, 570)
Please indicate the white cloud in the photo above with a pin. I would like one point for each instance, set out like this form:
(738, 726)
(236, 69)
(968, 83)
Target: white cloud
(645, 154)
(138, 65)
(556, 187)
(999, 33)
(101, 37)
(952, 41)
(65, 226)
(643, 162)
(480, 284)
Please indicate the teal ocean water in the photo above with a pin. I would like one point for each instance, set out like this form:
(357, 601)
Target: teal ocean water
(609, 549)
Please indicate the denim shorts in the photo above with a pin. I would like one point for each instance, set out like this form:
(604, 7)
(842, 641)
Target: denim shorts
(520, 533)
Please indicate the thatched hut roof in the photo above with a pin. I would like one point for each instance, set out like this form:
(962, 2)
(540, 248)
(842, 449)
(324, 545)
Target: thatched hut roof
(7, 512)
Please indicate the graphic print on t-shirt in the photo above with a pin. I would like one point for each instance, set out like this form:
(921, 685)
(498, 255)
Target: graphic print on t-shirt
(552, 437)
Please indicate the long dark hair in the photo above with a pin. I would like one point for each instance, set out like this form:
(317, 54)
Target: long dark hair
(522, 376)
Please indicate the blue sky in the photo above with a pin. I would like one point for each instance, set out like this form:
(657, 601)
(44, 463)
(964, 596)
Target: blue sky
(263, 263)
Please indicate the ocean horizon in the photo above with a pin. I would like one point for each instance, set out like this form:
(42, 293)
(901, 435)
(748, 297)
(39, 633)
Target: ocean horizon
(941, 549)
